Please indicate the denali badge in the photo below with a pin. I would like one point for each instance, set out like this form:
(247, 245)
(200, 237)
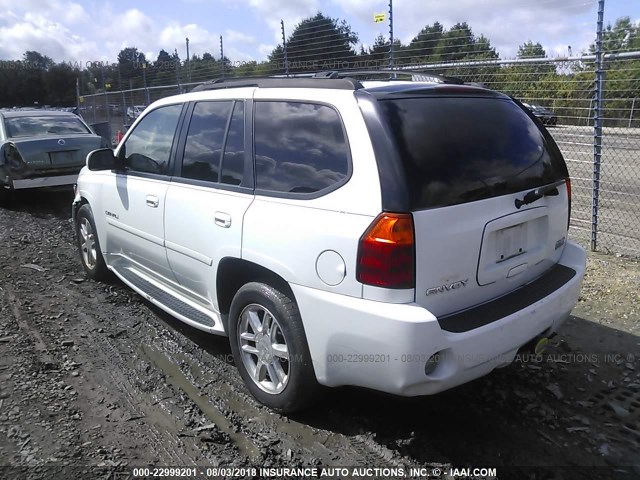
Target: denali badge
(447, 286)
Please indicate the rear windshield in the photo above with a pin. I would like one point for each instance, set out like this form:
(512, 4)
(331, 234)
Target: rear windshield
(44, 125)
(458, 150)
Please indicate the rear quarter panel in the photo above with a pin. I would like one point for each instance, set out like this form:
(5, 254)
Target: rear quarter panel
(287, 235)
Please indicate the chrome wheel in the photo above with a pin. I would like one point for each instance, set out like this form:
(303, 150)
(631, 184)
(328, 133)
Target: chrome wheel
(264, 349)
(87, 244)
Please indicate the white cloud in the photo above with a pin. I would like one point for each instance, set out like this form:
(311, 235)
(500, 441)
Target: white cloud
(506, 23)
(290, 11)
(35, 31)
(233, 36)
(264, 50)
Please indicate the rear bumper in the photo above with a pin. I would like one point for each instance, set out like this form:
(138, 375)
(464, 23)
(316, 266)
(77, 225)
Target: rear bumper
(385, 346)
(38, 182)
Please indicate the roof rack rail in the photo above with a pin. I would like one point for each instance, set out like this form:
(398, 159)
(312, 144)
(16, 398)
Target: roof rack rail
(332, 82)
(416, 74)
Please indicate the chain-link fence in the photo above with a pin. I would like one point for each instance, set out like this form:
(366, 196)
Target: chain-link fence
(590, 103)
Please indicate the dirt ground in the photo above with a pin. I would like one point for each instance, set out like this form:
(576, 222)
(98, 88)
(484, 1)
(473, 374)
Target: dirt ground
(94, 381)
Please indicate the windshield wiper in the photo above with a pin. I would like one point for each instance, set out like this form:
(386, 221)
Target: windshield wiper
(538, 193)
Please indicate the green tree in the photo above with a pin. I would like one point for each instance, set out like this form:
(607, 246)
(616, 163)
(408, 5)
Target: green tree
(36, 60)
(531, 50)
(422, 47)
(622, 36)
(318, 43)
(131, 63)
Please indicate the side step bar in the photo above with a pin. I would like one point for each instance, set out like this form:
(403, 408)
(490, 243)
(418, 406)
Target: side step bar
(172, 304)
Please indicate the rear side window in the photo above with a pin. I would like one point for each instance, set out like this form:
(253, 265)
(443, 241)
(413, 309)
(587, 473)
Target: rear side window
(299, 147)
(458, 150)
(233, 160)
(203, 148)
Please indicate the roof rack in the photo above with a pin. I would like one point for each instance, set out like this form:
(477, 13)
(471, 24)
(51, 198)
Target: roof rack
(281, 82)
(333, 79)
(416, 75)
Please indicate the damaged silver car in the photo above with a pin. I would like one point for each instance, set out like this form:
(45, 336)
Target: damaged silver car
(42, 148)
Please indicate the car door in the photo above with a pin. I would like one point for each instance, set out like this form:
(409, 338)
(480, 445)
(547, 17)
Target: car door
(209, 195)
(134, 202)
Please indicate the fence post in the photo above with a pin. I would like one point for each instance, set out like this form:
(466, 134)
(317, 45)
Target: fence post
(175, 57)
(106, 97)
(144, 79)
(221, 57)
(93, 97)
(597, 127)
(78, 95)
(284, 48)
(391, 34)
(633, 105)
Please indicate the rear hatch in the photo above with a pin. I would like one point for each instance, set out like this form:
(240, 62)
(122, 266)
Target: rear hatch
(470, 156)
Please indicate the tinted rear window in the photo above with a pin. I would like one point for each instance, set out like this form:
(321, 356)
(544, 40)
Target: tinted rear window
(458, 150)
(46, 125)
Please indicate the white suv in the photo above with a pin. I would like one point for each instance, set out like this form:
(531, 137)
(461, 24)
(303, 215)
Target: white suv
(401, 236)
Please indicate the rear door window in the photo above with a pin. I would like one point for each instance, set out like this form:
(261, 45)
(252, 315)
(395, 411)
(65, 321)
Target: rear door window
(233, 159)
(205, 139)
(300, 148)
(456, 150)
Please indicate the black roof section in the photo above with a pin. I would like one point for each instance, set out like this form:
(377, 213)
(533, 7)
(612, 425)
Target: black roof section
(343, 80)
(281, 82)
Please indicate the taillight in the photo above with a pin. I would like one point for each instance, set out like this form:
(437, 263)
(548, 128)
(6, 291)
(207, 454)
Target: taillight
(386, 253)
(568, 181)
(12, 157)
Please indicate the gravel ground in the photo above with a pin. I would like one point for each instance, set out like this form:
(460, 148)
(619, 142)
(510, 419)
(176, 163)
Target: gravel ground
(95, 379)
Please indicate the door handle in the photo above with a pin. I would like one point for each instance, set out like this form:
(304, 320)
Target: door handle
(222, 219)
(152, 201)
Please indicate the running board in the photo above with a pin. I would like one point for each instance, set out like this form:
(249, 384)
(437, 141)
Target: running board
(169, 302)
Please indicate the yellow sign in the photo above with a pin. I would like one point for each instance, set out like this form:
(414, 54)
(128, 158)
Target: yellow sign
(379, 17)
(81, 99)
(107, 85)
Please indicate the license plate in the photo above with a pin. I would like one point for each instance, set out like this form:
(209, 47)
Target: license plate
(62, 158)
(511, 242)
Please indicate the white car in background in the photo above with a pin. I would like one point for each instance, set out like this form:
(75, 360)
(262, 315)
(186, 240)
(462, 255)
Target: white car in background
(135, 111)
(400, 236)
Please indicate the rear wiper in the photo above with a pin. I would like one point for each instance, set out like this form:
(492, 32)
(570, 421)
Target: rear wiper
(538, 193)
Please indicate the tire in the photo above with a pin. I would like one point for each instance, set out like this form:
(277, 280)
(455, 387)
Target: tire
(5, 196)
(89, 246)
(285, 382)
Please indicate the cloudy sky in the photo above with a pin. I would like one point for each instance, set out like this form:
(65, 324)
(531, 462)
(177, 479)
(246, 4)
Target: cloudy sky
(96, 30)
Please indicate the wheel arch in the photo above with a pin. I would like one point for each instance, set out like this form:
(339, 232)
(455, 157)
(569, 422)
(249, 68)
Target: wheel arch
(233, 273)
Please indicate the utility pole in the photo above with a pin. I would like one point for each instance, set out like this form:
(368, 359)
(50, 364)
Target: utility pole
(284, 47)
(188, 64)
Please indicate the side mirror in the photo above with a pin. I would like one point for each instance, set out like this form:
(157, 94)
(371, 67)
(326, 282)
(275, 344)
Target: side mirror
(101, 159)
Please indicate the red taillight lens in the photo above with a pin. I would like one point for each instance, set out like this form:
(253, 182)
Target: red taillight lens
(386, 256)
(568, 181)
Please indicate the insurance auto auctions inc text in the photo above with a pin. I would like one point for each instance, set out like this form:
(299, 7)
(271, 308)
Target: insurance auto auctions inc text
(375, 472)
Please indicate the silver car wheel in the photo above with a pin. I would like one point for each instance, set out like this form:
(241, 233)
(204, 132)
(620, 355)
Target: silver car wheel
(88, 244)
(264, 350)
